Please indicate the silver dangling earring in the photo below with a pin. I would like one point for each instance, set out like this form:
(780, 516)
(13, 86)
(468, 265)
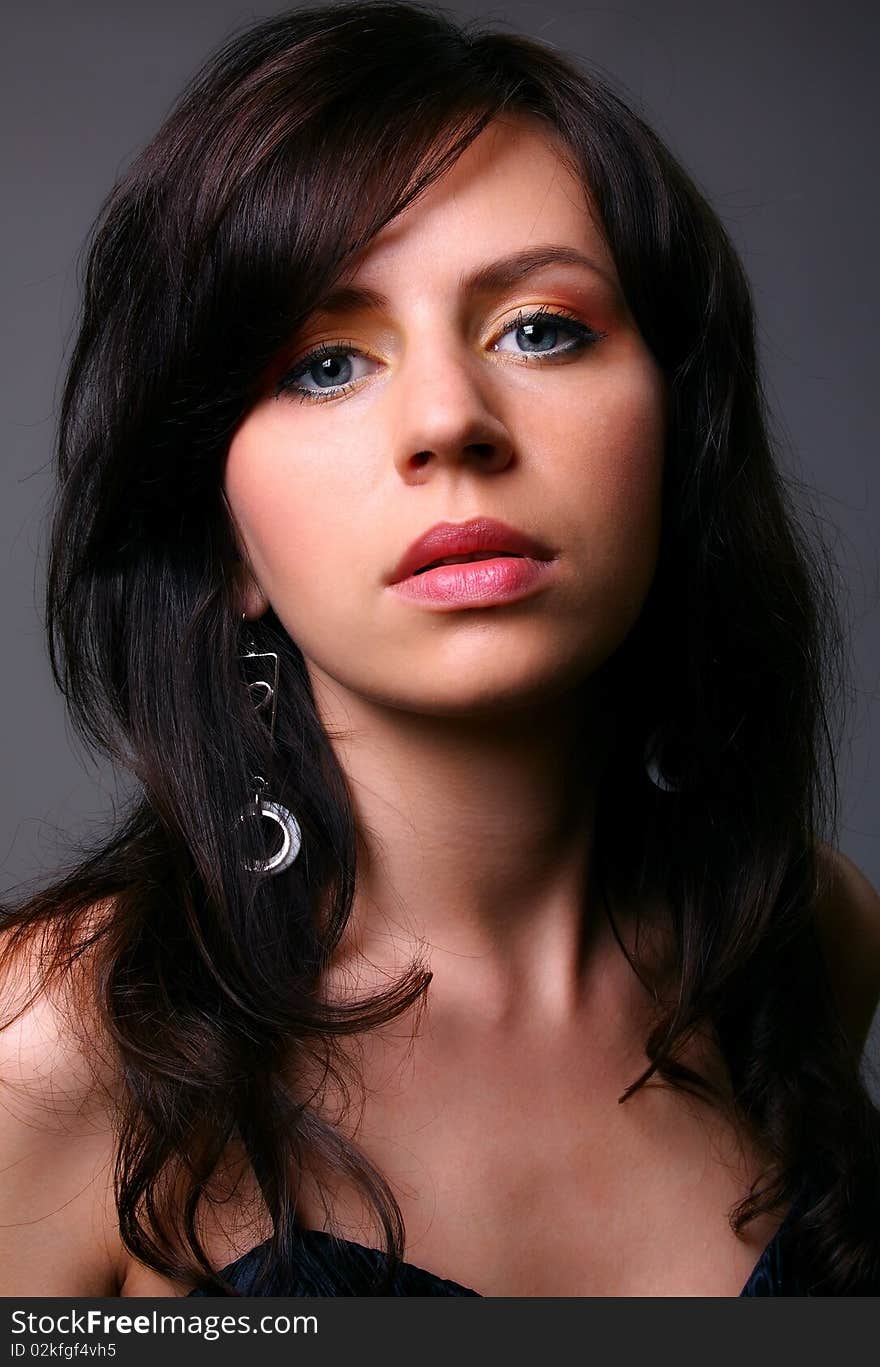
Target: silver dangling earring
(653, 766)
(261, 807)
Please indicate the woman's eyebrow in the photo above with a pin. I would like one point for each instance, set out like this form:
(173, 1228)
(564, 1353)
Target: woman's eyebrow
(509, 270)
(495, 275)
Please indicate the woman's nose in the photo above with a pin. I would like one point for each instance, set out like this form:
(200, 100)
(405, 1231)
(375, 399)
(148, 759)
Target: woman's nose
(444, 417)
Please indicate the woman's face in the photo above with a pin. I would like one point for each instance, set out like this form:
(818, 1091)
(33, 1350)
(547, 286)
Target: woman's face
(440, 403)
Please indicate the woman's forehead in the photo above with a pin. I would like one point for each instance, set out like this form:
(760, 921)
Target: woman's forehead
(511, 193)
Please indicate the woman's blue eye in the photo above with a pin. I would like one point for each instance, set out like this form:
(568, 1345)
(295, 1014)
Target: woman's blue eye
(538, 334)
(332, 368)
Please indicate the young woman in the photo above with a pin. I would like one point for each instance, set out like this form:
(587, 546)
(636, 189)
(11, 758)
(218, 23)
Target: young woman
(477, 928)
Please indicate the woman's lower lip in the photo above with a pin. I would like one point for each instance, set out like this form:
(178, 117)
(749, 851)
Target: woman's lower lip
(476, 583)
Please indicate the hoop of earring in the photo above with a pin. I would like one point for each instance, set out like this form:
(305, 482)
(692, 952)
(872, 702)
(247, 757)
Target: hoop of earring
(653, 766)
(260, 807)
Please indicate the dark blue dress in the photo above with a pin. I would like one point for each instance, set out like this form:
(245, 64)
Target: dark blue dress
(328, 1266)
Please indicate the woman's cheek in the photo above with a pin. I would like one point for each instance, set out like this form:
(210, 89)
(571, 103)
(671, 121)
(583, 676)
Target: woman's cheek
(620, 472)
(286, 510)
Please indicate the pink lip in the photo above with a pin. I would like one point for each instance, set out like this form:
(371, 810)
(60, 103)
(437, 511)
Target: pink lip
(476, 584)
(480, 534)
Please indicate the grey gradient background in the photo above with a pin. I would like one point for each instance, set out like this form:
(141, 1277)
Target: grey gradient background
(770, 107)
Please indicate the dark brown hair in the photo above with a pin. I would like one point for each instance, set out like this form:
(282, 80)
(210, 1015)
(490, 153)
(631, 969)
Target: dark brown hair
(293, 146)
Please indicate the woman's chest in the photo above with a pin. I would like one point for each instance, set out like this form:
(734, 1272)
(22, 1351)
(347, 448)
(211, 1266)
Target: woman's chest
(521, 1174)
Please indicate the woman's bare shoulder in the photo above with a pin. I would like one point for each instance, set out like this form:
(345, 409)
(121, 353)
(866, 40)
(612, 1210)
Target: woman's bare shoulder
(58, 1228)
(848, 917)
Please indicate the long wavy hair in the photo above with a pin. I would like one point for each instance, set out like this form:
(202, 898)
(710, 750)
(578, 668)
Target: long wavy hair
(296, 142)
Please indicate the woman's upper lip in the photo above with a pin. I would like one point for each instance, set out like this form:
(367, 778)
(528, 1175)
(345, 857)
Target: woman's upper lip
(462, 538)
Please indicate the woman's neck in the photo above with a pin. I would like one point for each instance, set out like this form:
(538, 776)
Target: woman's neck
(476, 846)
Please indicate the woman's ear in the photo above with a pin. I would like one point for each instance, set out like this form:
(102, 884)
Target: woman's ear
(252, 601)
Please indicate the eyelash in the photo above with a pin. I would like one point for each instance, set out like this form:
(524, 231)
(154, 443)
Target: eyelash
(585, 337)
